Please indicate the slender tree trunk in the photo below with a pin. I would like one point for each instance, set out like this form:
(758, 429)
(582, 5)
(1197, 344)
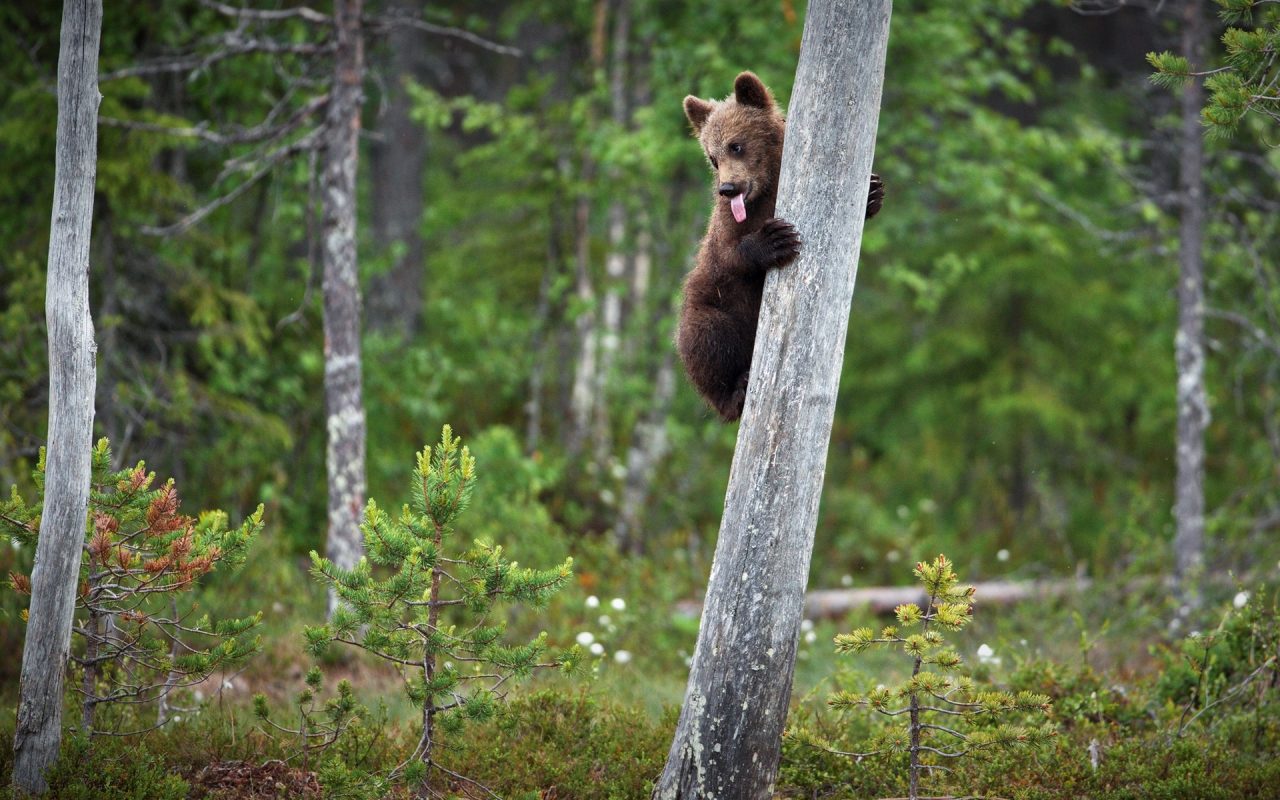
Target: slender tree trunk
(533, 408)
(396, 297)
(648, 446)
(615, 265)
(1193, 403)
(72, 382)
(582, 399)
(344, 403)
(728, 739)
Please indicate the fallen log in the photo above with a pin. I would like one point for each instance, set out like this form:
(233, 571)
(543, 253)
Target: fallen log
(832, 603)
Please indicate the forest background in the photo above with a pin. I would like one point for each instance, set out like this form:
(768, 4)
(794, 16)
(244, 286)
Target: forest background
(1008, 394)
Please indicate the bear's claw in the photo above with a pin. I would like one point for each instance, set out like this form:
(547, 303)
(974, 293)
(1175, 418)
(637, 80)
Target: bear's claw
(875, 199)
(780, 242)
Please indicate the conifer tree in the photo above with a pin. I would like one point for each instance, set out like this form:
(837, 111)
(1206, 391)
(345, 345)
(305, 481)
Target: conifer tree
(138, 554)
(1250, 79)
(429, 615)
(941, 710)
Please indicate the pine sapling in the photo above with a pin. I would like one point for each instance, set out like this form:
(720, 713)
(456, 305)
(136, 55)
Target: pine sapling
(947, 716)
(136, 646)
(428, 610)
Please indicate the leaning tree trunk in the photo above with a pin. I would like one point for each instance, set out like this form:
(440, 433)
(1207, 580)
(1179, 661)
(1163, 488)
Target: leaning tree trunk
(1193, 403)
(72, 383)
(728, 739)
(344, 404)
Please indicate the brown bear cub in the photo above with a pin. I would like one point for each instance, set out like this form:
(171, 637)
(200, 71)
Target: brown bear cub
(742, 138)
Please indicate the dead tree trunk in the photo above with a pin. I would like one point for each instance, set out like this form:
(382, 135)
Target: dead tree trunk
(1193, 403)
(648, 446)
(729, 736)
(344, 402)
(72, 382)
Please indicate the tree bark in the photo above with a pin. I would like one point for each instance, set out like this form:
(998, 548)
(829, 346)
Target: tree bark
(728, 739)
(344, 403)
(1193, 403)
(396, 296)
(72, 382)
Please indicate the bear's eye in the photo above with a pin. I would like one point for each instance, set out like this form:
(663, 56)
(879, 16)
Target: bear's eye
(735, 148)
(714, 164)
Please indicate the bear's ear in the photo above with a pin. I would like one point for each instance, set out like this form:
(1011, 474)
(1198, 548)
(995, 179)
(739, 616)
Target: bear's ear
(750, 91)
(697, 111)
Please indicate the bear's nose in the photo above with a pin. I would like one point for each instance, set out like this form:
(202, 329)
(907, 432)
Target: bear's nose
(728, 189)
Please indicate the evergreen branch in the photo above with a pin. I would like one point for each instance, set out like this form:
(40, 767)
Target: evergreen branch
(232, 47)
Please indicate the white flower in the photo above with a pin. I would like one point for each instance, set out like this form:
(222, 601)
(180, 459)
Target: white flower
(228, 685)
(448, 665)
(622, 657)
(903, 512)
(846, 580)
(688, 661)
(810, 637)
(585, 638)
(277, 606)
(593, 602)
(605, 621)
(177, 719)
(892, 556)
(1241, 600)
(597, 649)
(987, 656)
(199, 695)
(928, 506)
(1003, 555)
(806, 625)
(880, 687)
(17, 545)
(618, 604)
(607, 496)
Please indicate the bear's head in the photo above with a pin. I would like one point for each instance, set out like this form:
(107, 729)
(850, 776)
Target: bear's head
(742, 138)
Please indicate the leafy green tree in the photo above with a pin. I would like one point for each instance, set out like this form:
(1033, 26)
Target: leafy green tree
(430, 615)
(945, 714)
(139, 554)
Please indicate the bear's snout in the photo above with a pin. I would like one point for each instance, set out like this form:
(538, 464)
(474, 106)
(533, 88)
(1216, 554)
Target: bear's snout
(728, 189)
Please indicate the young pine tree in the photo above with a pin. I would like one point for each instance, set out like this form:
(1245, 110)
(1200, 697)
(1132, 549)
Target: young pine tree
(428, 612)
(135, 645)
(945, 715)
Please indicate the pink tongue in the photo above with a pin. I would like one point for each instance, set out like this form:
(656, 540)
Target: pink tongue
(739, 206)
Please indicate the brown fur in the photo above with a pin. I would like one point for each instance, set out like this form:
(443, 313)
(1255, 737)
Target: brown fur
(742, 137)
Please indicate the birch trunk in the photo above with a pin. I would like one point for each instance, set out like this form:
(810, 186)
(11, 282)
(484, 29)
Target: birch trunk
(1193, 403)
(582, 399)
(344, 403)
(728, 740)
(72, 382)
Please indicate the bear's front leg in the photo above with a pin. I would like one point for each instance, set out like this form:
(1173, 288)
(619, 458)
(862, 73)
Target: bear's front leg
(775, 245)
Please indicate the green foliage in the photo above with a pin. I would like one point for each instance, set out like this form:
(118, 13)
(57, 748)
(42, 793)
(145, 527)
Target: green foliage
(949, 717)
(139, 554)
(430, 615)
(322, 728)
(1247, 83)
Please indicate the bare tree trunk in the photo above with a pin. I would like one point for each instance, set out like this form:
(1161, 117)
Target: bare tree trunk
(728, 740)
(344, 403)
(396, 297)
(615, 265)
(533, 408)
(582, 399)
(648, 446)
(1193, 403)
(72, 382)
